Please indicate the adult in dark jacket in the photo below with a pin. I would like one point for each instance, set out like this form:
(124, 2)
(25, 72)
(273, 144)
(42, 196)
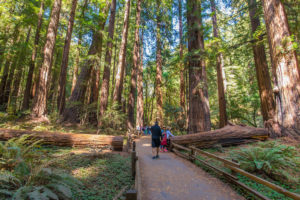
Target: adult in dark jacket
(156, 138)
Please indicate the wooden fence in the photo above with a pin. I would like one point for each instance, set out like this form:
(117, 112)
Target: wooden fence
(134, 194)
(192, 151)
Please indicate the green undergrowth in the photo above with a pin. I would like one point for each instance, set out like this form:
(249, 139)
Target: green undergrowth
(21, 122)
(29, 170)
(274, 161)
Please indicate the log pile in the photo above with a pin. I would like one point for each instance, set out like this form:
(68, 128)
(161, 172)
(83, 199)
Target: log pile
(67, 139)
(229, 135)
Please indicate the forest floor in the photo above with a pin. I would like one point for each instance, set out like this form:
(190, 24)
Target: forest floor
(102, 174)
(171, 177)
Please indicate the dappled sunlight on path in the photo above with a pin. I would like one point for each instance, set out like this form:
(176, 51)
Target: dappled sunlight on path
(173, 178)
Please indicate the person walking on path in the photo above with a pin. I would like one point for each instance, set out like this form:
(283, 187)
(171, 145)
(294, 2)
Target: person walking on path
(156, 137)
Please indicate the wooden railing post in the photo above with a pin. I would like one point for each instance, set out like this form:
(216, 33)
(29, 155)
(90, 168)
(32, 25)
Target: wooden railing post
(131, 195)
(133, 160)
(192, 154)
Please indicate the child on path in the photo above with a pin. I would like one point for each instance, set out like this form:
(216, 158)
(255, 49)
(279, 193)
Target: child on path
(163, 146)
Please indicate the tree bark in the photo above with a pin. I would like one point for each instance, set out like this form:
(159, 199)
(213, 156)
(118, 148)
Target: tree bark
(182, 68)
(67, 139)
(106, 73)
(12, 104)
(122, 54)
(131, 100)
(199, 115)
(76, 101)
(219, 62)
(61, 100)
(226, 136)
(284, 66)
(158, 90)
(26, 98)
(140, 96)
(40, 99)
(262, 70)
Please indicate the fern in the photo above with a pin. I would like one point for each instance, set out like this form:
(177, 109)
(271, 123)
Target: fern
(272, 159)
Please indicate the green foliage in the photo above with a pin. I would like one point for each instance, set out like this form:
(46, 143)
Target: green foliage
(114, 120)
(277, 161)
(24, 176)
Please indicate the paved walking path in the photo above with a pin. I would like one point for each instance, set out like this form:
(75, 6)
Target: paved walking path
(173, 178)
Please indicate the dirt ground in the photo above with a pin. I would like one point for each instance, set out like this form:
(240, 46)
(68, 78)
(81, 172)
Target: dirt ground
(173, 178)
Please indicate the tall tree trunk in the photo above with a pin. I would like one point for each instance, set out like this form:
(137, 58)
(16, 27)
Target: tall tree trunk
(219, 62)
(122, 55)
(285, 66)
(140, 100)
(73, 111)
(40, 100)
(78, 49)
(106, 73)
(158, 90)
(18, 75)
(61, 100)
(262, 71)
(199, 116)
(182, 81)
(33, 58)
(113, 84)
(131, 100)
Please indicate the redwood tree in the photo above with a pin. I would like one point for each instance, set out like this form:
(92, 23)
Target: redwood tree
(131, 98)
(262, 70)
(199, 116)
(61, 100)
(140, 96)
(284, 66)
(219, 62)
(182, 80)
(122, 54)
(106, 73)
(40, 99)
(33, 58)
(76, 101)
(158, 90)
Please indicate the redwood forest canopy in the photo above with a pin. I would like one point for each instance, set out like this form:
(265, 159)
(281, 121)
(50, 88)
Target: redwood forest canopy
(116, 64)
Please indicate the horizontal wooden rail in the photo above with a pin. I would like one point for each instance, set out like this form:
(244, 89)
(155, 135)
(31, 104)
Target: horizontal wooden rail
(228, 162)
(181, 147)
(234, 167)
(266, 183)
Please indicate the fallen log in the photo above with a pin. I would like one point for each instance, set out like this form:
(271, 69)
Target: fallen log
(67, 139)
(229, 135)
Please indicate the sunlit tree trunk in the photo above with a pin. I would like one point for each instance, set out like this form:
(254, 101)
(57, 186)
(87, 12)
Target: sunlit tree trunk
(220, 78)
(106, 73)
(199, 116)
(122, 54)
(12, 104)
(140, 96)
(285, 66)
(158, 90)
(131, 100)
(33, 58)
(61, 100)
(262, 70)
(40, 99)
(182, 68)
